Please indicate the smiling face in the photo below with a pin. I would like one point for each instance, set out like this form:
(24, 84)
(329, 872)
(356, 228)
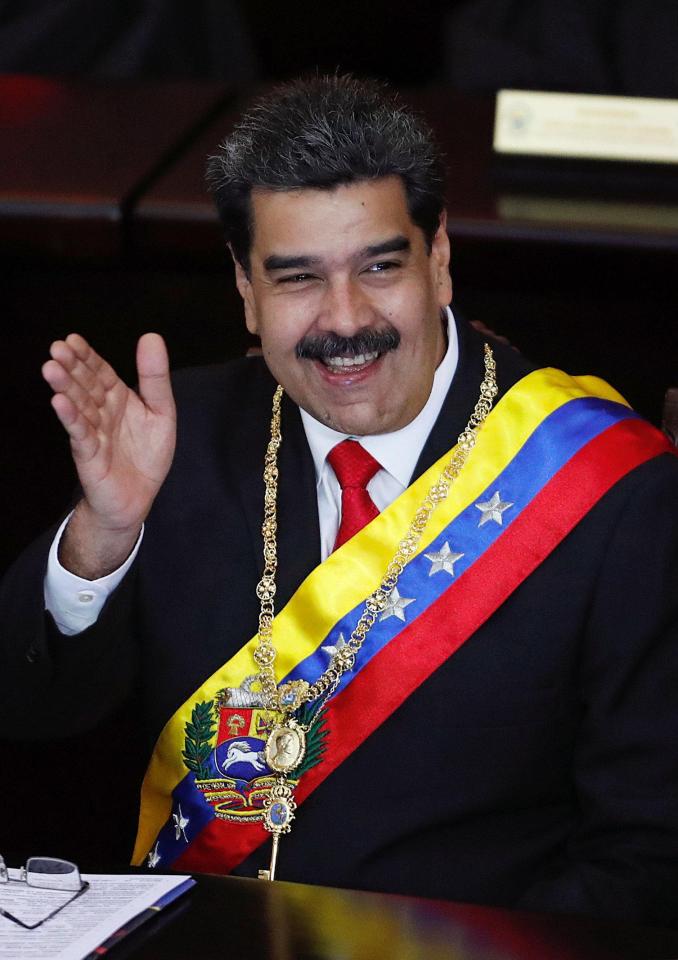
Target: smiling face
(346, 275)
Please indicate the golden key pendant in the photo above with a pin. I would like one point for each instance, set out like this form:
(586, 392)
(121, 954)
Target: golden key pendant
(270, 873)
(278, 817)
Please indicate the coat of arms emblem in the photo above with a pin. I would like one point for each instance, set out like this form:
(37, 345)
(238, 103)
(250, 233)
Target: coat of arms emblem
(225, 750)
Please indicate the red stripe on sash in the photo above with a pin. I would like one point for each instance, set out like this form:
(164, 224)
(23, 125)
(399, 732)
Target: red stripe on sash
(469, 601)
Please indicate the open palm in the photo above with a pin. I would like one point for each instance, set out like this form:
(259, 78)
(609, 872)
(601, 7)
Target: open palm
(122, 442)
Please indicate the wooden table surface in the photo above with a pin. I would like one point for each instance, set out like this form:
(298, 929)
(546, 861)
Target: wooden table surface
(227, 917)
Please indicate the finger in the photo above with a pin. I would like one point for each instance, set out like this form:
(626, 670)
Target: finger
(155, 387)
(93, 363)
(85, 364)
(84, 441)
(77, 371)
(61, 382)
(92, 360)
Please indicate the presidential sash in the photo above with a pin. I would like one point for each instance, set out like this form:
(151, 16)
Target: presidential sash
(546, 454)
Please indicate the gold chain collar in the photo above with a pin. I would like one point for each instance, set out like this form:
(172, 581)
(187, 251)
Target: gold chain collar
(286, 744)
(287, 698)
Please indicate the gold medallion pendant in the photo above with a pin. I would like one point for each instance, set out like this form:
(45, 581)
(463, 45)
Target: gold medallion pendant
(285, 747)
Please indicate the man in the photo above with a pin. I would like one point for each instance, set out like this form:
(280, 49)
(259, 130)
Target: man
(477, 687)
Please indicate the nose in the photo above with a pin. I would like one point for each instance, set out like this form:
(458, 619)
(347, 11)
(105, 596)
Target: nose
(346, 308)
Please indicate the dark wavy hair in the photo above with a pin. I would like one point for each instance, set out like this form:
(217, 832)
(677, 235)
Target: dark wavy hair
(323, 132)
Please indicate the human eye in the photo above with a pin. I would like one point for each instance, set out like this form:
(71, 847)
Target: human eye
(381, 267)
(296, 278)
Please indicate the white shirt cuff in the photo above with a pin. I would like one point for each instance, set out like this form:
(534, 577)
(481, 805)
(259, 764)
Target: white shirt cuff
(75, 603)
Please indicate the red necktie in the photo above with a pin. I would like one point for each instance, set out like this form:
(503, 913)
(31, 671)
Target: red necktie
(354, 468)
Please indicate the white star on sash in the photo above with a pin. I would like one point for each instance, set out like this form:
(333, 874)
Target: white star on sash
(492, 509)
(395, 606)
(180, 824)
(445, 560)
(333, 651)
(154, 856)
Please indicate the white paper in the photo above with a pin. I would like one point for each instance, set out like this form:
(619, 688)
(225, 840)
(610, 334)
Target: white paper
(110, 903)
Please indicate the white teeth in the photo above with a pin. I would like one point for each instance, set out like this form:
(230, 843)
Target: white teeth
(359, 361)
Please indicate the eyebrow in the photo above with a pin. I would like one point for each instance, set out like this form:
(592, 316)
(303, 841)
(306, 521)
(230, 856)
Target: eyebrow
(299, 261)
(276, 262)
(394, 245)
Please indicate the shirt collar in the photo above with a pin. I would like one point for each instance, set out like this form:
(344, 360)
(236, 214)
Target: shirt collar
(398, 451)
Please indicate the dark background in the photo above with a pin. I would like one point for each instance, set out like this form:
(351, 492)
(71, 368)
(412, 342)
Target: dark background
(594, 46)
(608, 309)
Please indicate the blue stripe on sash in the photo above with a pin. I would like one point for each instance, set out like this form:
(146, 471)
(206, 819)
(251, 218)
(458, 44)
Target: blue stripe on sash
(169, 846)
(557, 438)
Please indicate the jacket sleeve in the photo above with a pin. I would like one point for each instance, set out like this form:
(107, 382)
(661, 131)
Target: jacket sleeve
(53, 685)
(621, 859)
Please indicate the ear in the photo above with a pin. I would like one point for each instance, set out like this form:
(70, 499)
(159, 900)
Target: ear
(440, 262)
(244, 285)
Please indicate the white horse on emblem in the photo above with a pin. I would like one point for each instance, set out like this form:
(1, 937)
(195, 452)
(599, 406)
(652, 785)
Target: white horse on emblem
(239, 752)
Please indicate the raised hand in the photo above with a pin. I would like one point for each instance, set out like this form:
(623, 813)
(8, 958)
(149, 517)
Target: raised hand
(122, 445)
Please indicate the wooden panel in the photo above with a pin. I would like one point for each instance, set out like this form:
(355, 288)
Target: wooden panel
(177, 215)
(541, 202)
(74, 155)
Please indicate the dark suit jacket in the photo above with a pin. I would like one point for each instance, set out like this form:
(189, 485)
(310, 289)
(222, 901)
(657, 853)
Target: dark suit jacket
(538, 767)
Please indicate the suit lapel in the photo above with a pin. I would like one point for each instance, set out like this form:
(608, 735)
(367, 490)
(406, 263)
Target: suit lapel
(465, 389)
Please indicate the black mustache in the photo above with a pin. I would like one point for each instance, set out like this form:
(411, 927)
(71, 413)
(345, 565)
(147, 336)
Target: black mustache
(332, 345)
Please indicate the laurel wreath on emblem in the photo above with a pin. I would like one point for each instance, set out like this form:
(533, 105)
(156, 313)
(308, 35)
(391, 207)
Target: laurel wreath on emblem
(311, 715)
(201, 727)
(198, 743)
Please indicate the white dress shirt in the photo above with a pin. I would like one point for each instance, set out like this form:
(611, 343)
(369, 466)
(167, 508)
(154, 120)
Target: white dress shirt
(76, 603)
(397, 452)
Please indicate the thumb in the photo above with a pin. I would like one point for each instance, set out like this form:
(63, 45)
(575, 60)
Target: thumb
(153, 372)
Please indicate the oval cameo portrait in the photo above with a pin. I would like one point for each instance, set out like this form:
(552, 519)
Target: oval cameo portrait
(285, 748)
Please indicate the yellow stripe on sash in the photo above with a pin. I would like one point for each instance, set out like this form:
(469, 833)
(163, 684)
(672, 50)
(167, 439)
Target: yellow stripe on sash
(351, 573)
